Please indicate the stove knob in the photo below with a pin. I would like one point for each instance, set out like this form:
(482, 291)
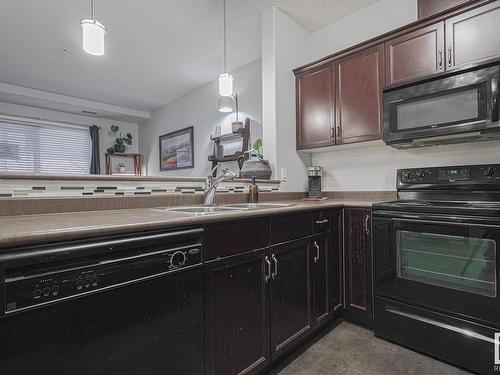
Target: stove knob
(489, 171)
(178, 259)
(409, 176)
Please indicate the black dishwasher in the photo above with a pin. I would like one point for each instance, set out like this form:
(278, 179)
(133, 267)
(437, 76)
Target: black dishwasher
(130, 305)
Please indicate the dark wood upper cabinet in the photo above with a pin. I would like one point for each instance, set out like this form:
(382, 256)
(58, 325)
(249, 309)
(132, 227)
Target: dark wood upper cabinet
(320, 260)
(415, 54)
(315, 103)
(473, 36)
(237, 315)
(360, 79)
(290, 294)
(358, 272)
(428, 8)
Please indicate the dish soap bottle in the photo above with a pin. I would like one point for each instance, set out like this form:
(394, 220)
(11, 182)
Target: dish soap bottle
(253, 189)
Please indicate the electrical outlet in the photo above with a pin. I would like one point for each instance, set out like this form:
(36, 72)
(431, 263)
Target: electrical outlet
(283, 175)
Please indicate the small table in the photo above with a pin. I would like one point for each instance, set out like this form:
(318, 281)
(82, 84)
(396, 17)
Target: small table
(137, 162)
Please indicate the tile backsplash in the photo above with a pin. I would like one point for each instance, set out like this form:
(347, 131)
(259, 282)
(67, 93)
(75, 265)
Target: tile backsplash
(40, 188)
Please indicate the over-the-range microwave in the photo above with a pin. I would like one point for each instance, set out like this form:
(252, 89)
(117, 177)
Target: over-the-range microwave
(451, 108)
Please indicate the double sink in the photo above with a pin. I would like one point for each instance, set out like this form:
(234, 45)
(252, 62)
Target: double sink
(206, 210)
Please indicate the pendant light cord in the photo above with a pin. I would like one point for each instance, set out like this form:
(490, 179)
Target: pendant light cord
(225, 37)
(92, 9)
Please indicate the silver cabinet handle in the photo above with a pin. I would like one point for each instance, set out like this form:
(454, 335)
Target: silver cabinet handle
(316, 258)
(440, 59)
(275, 273)
(324, 221)
(367, 229)
(449, 56)
(338, 133)
(332, 133)
(268, 273)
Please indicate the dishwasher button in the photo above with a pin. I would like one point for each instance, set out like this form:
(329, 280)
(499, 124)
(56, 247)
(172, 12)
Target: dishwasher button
(79, 284)
(55, 290)
(87, 282)
(178, 259)
(37, 293)
(46, 291)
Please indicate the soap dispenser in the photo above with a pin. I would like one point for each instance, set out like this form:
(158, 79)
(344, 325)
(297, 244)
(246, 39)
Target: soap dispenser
(254, 192)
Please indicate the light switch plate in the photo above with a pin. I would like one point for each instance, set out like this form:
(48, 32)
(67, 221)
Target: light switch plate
(283, 175)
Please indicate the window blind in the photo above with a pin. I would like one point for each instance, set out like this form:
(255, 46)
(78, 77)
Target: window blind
(42, 148)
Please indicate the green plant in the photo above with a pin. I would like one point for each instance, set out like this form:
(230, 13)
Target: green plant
(120, 141)
(257, 145)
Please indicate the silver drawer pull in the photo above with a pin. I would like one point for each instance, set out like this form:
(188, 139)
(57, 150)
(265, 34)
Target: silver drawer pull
(275, 273)
(316, 258)
(324, 221)
(268, 273)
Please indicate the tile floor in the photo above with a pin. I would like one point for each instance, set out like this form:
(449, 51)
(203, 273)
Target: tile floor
(353, 350)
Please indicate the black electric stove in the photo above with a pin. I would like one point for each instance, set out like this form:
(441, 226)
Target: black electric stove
(437, 264)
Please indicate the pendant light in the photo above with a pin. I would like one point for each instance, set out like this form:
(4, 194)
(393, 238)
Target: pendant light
(93, 34)
(225, 79)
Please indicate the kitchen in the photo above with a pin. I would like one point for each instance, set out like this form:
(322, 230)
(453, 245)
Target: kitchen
(313, 188)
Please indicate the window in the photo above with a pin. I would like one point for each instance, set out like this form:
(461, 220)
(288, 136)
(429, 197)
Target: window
(31, 147)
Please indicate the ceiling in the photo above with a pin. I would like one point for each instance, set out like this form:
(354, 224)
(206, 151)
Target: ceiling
(156, 50)
(315, 14)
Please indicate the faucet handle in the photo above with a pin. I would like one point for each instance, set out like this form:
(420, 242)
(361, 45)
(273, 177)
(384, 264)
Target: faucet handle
(214, 169)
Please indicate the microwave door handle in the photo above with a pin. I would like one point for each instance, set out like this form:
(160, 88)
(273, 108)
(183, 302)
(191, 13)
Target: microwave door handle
(494, 99)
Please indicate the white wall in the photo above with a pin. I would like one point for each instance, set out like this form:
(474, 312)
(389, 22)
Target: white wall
(106, 138)
(286, 45)
(372, 165)
(376, 19)
(199, 109)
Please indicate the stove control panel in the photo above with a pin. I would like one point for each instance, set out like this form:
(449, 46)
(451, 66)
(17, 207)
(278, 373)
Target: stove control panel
(468, 174)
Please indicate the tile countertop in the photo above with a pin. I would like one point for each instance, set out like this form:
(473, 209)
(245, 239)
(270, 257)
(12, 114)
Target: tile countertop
(42, 228)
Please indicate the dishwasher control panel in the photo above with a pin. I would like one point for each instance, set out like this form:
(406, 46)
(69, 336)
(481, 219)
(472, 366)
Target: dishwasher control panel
(24, 292)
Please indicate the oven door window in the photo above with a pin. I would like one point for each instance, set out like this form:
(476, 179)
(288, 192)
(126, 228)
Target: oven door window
(462, 263)
(445, 108)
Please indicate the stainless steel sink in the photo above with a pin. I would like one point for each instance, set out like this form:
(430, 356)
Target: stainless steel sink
(204, 210)
(201, 210)
(258, 206)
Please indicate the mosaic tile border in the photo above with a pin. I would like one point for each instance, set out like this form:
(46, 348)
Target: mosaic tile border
(88, 188)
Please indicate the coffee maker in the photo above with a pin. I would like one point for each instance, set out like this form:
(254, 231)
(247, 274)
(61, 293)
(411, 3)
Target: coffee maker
(314, 182)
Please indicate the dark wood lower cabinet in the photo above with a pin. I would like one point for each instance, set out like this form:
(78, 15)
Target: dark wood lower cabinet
(237, 315)
(290, 294)
(336, 261)
(358, 268)
(320, 260)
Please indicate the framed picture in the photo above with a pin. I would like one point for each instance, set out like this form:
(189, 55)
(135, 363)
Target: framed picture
(177, 150)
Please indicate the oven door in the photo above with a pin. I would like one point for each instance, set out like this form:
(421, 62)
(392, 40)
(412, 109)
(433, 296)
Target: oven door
(452, 266)
(461, 103)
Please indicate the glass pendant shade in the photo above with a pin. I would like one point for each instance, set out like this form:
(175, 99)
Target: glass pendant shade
(225, 84)
(226, 104)
(93, 37)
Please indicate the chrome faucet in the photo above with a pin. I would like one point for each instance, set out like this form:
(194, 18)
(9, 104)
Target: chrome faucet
(211, 184)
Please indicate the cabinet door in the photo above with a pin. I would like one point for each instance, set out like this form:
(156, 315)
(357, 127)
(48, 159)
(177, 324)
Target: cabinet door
(320, 258)
(473, 36)
(358, 265)
(237, 315)
(290, 295)
(336, 261)
(360, 80)
(315, 102)
(415, 54)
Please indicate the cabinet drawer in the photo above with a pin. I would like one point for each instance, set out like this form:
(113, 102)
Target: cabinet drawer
(321, 221)
(229, 238)
(289, 227)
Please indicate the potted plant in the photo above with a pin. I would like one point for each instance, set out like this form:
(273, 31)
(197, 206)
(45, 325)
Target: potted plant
(259, 168)
(120, 141)
(121, 168)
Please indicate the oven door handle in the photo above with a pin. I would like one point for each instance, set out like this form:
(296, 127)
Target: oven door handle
(494, 99)
(483, 222)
